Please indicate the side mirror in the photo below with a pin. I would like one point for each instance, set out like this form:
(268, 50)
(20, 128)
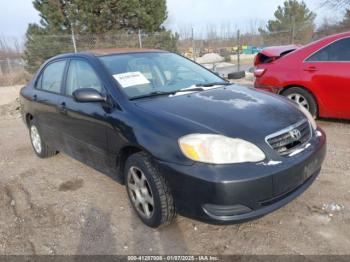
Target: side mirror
(85, 95)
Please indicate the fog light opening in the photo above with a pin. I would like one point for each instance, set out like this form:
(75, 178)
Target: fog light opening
(217, 211)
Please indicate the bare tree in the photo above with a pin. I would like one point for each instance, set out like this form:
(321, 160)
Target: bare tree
(185, 31)
(337, 4)
(328, 27)
(10, 48)
(212, 31)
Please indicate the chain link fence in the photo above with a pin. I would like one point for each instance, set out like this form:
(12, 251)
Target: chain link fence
(218, 54)
(17, 60)
(215, 52)
(12, 71)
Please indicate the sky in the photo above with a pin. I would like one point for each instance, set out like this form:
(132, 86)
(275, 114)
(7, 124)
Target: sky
(15, 15)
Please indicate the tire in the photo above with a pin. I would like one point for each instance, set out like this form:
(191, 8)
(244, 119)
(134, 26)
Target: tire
(303, 98)
(143, 181)
(40, 148)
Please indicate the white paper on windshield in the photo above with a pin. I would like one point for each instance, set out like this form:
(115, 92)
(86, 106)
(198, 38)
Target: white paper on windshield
(131, 79)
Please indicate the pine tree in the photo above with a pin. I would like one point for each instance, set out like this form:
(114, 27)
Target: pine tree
(93, 22)
(293, 23)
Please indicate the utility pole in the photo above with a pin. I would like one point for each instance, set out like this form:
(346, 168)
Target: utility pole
(9, 65)
(73, 38)
(193, 47)
(238, 50)
(140, 38)
(293, 30)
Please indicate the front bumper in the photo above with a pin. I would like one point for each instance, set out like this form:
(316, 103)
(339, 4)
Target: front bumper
(223, 194)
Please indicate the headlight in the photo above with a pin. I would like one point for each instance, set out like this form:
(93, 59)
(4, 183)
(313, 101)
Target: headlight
(309, 116)
(218, 149)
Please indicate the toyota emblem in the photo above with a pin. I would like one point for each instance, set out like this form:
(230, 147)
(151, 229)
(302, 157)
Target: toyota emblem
(295, 134)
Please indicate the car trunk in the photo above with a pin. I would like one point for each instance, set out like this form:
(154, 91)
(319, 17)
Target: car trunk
(270, 54)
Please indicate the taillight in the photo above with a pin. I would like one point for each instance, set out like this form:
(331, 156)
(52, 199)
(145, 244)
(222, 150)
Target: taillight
(257, 59)
(258, 72)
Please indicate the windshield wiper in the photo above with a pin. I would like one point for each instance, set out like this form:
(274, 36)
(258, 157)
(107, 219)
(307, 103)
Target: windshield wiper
(193, 89)
(213, 84)
(163, 93)
(155, 93)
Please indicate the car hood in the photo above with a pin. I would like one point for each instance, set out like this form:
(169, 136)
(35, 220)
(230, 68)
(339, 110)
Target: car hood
(233, 111)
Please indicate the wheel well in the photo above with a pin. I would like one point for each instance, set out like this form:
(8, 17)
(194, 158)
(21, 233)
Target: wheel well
(29, 118)
(284, 89)
(304, 88)
(124, 154)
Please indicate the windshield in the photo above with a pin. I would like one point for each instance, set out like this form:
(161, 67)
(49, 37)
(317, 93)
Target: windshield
(140, 74)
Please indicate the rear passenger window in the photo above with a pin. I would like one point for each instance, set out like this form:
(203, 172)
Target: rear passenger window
(81, 75)
(52, 77)
(337, 51)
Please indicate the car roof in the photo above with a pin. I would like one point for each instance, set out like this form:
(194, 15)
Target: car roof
(339, 35)
(326, 40)
(112, 51)
(106, 52)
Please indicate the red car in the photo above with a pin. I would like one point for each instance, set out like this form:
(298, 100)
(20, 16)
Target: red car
(316, 76)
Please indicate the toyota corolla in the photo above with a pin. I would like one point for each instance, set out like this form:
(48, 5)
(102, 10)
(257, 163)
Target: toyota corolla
(180, 138)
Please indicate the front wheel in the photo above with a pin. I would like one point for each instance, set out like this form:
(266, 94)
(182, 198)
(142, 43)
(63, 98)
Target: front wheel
(302, 98)
(148, 191)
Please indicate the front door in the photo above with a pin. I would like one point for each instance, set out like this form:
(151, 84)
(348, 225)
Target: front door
(85, 124)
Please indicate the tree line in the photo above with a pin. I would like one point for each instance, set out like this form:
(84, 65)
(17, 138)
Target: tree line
(294, 22)
(67, 24)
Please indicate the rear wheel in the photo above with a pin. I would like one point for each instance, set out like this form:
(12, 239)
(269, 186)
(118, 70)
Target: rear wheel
(302, 98)
(148, 191)
(40, 148)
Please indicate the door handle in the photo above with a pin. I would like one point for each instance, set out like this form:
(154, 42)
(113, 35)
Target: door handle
(311, 69)
(62, 108)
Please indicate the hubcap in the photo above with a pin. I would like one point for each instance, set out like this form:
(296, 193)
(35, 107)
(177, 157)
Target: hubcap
(140, 192)
(36, 140)
(299, 99)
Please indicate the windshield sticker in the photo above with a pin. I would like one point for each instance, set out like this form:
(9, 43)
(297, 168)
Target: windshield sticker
(131, 79)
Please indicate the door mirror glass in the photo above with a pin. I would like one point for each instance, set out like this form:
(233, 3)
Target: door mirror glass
(85, 95)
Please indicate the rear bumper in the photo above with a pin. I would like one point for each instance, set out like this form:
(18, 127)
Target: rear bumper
(222, 194)
(268, 88)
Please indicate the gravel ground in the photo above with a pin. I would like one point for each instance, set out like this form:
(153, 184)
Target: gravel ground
(60, 206)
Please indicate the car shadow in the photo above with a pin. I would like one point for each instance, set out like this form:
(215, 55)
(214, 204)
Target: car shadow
(334, 120)
(172, 240)
(165, 240)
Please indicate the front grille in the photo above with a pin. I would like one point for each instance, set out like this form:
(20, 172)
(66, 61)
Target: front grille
(289, 139)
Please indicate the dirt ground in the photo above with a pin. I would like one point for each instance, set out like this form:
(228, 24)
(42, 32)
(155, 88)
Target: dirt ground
(60, 206)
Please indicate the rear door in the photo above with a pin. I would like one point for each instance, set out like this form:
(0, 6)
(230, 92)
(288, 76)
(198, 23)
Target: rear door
(328, 71)
(85, 124)
(47, 95)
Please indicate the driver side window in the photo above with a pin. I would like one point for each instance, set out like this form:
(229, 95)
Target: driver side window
(81, 75)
